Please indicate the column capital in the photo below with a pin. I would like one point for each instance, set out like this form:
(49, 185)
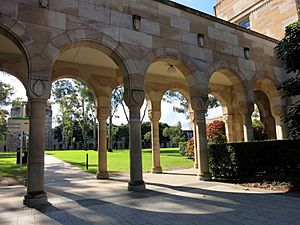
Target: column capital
(200, 103)
(192, 116)
(154, 115)
(228, 118)
(102, 112)
(246, 107)
(278, 110)
(39, 87)
(134, 97)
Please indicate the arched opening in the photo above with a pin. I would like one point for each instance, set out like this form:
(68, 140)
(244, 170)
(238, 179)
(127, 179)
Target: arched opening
(264, 124)
(14, 121)
(272, 108)
(72, 109)
(102, 70)
(226, 86)
(167, 83)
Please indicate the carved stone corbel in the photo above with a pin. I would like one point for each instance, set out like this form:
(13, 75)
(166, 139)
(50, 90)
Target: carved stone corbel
(39, 87)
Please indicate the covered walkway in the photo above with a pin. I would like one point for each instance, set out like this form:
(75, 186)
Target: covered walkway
(174, 197)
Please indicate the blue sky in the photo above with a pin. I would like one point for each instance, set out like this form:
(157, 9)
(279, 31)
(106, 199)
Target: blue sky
(206, 6)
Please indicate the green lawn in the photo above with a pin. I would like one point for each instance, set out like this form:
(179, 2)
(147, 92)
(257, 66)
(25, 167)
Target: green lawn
(8, 167)
(118, 160)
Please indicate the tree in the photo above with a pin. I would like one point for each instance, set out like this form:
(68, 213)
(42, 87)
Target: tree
(181, 105)
(216, 131)
(288, 51)
(76, 106)
(258, 126)
(5, 92)
(175, 134)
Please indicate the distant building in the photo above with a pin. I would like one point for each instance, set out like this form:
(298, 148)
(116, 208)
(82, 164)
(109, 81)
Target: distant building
(18, 125)
(269, 17)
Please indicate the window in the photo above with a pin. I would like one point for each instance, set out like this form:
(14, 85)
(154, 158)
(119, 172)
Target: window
(245, 23)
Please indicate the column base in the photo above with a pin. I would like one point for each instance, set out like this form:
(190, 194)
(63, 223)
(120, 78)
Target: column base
(136, 186)
(36, 199)
(102, 176)
(156, 170)
(204, 176)
(196, 166)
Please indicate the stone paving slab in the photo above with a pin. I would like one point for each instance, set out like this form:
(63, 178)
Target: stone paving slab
(176, 197)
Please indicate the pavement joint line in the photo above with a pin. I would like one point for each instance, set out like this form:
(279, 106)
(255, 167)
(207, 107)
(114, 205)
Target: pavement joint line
(59, 206)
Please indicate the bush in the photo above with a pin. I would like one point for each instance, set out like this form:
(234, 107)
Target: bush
(190, 149)
(182, 148)
(216, 131)
(255, 159)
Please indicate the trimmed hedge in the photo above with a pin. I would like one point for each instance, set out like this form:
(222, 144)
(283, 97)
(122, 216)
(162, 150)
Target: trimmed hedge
(255, 159)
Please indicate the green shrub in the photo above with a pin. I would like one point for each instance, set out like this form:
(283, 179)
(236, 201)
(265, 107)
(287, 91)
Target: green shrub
(255, 159)
(182, 148)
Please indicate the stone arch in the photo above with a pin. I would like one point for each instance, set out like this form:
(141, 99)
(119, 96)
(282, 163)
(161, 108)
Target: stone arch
(268, 87)
(71, 73)
(277, 105)
(184, 63)
(16, 33)
(95, 40)
(234, 74)
(226, 80)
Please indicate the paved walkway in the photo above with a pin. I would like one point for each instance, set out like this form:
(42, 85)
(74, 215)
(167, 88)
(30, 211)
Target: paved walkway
(172, 198)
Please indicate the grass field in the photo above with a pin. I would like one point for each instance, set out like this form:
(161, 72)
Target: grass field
(8, 167)
(118, 160)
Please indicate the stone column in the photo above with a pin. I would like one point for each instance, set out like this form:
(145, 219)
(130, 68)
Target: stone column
(102, 115)
(246, 109)
(192, 118)
(196, 158)
(38, 93)
(281, 129)
(229, 127)
(200, 109)
(201, 140)
(36, 194)
(134, 99)
(154, 117)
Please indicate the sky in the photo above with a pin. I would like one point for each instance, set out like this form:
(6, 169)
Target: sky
(206, 6)
(169, 116)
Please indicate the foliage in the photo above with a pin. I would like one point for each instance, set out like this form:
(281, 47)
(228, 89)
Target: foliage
(216, 132)
(5, 92)
(190, 149)
(182, 148)
(76, 119)
(118, 161)
(258, 130)
(175, 134)
(255, 159)
(288, 51)
(288, 48)
(180, 103)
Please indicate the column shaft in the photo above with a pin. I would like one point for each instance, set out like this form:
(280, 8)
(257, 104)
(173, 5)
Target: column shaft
(156, 168)
(248, 128)
(102, 150)
(196, 158)
(36, 194)
(136, 182)
(203, 171)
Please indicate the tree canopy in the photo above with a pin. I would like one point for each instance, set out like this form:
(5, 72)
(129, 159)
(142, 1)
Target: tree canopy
(76, 106)
(180, 103)
(288, 51)
(6, 91)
